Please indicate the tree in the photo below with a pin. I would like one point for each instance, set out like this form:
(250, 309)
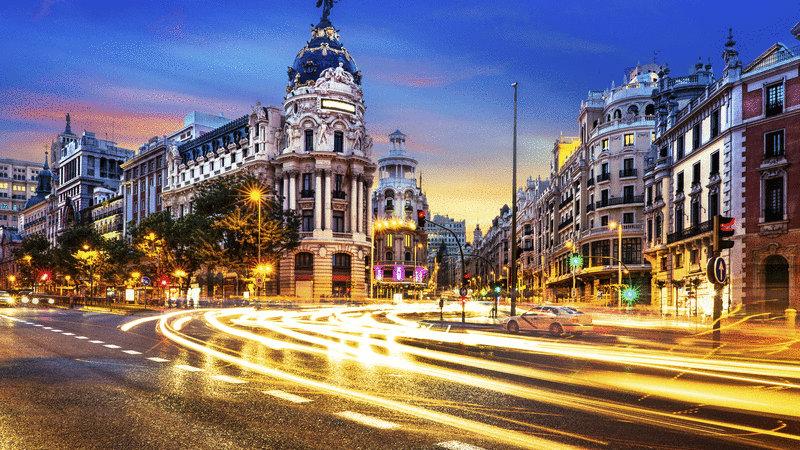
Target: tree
(35, 256)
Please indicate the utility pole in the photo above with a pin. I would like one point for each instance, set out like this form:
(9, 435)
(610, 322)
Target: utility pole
(512, 276)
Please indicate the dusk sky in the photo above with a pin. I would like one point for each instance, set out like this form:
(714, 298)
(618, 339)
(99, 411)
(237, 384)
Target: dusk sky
(439, 71)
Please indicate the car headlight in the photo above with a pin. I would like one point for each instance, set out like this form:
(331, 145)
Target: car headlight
(51, 301)
(35, 301)
(25, 299)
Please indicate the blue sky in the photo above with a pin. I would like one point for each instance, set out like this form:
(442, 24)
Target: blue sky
(440, 71)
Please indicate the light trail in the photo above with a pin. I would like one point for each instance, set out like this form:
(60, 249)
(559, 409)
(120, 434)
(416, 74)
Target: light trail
(508, 437)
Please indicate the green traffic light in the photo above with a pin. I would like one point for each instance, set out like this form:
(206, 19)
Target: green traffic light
(497, 289)
(576, 260)
(630, 294)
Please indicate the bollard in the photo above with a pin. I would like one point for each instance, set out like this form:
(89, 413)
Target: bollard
(791, 320)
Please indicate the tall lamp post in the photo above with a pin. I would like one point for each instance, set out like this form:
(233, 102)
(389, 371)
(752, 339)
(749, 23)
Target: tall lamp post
(618, 226)
(512, 281)
(256, 196)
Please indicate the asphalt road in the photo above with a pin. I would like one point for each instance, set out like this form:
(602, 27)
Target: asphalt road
(355, 378)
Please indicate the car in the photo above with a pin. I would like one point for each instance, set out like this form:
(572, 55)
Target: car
(555, 320)
(7, 299)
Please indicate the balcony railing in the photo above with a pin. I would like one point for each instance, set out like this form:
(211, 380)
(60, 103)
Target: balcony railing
(307, 193)
(628, 173)
(604, 177)
(590, 207)
(613, 201)
(565, 223)
(590, 182)
(565, 202)
(690, 232)
(339, 195)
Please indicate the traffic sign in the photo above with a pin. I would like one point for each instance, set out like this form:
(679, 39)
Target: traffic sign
(717, 271)
(463, 292)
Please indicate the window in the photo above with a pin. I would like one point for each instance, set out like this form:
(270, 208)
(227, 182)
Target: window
(713, 204)
(604, 197)
(338, 141)
(627, 194)
(307, 190)
(774, 99)
(680, 147)
(604, 144)
(341, 263)
(629, 139)
(679, 183)
(604, 221)
(649, 195)
(309, 140)
(679, 218)
(338, 181)
(650, 110)
(663, 152)
(714, 123)
(696, 136)
(663, 263)
(632, 251)
(696, 173)
(695, 212)
(773, 200)
(304, 262)
(649, 230)
(627, 217)
(773, 144)
(308, 220)
(604, 169)
(714, 164)
(627, 168)
(338, 221)
(678, 258)
(658, 226)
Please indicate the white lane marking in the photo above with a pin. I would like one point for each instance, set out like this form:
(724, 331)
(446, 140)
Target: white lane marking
(188, 368)
(96, 342)
(55, 331)
(288, 396)
(81, 337)
(228, 379)
(48, 328)
(157, 359)
(68, 334)
(111, 346)
(369, 421)
(132, 352)
(38, 325)
(456, 445)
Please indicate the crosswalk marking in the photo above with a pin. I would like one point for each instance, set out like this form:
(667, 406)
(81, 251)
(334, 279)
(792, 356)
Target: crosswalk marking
(456, 445)
(369, 421)
(288, 396)
(188, 368)
(132, 352)
(48, 328)
(55, 331)
(96, 342)
(111, 346)
(81, 337)
(68, 334)
(228, 379)
(157, 359)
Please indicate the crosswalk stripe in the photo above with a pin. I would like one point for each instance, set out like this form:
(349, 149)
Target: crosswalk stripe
(369, 421)
(456, 445)
(132, 352)
(81, 337)
(111, 346)
(68, 334)
(288, 396)
(157, 359)
(55, 331)
(96, 342)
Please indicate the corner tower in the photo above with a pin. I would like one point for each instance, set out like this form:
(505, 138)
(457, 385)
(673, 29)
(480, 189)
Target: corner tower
(324, 170)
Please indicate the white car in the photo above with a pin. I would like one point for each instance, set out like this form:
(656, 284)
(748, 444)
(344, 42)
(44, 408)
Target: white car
(555, 320)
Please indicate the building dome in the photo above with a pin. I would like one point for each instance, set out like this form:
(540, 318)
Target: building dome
(323, 51)
(44, 184)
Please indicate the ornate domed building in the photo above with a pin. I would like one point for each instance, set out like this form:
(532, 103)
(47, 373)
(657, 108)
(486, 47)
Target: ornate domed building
(316, 151)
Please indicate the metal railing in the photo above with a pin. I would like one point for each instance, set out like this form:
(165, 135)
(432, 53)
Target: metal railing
(613, 201)
(703, 227)
(628, 173)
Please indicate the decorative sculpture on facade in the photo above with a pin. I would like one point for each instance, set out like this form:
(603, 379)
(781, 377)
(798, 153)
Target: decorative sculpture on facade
(326, 5)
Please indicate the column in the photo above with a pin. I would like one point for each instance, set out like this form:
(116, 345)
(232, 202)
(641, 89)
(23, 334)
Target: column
(318, 200)
(292, 191)
(353, 203)
(366, 207)
(285, 191)
(297, 181)
(327, 203)
(359, 209)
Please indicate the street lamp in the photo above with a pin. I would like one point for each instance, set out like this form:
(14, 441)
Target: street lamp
(256, 196)
(575, 263)
(618, 226)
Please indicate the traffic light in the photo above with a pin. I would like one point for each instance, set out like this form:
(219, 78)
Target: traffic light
(724, 227)
(164, 282)
(44, 276)
(420, 218)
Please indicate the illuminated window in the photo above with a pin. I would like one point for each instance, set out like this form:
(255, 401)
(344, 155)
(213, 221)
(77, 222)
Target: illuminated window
(19, 188)
(605, 144)
(3, 185)
(408, 241)
(628, 139)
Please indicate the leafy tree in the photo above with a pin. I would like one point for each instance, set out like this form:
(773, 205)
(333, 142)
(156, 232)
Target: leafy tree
(35, 256)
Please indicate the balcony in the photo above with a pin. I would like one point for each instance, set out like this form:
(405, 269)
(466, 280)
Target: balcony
(603, 177)
(590, 207)
(565, 202)
(565, 223)
(614, 201)
(339, 195)
(307, 193)
(624, 173)
(590, 182)
(690, 232)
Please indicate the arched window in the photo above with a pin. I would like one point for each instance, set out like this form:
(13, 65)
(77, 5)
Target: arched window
(633, 110)
(594, 124)
(608, 117)
(304, 262)
(617, 114)
(408, 256)
(309, 140)
(338, 141)
(650, 110)
(389, 256)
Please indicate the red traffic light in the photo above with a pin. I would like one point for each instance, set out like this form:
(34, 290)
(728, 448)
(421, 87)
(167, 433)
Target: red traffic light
(724, 227)
(421, 217)
(164, 282)
(44, 276)
(729, 226)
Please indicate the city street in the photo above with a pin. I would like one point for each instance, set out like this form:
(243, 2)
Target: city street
(372, 377)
